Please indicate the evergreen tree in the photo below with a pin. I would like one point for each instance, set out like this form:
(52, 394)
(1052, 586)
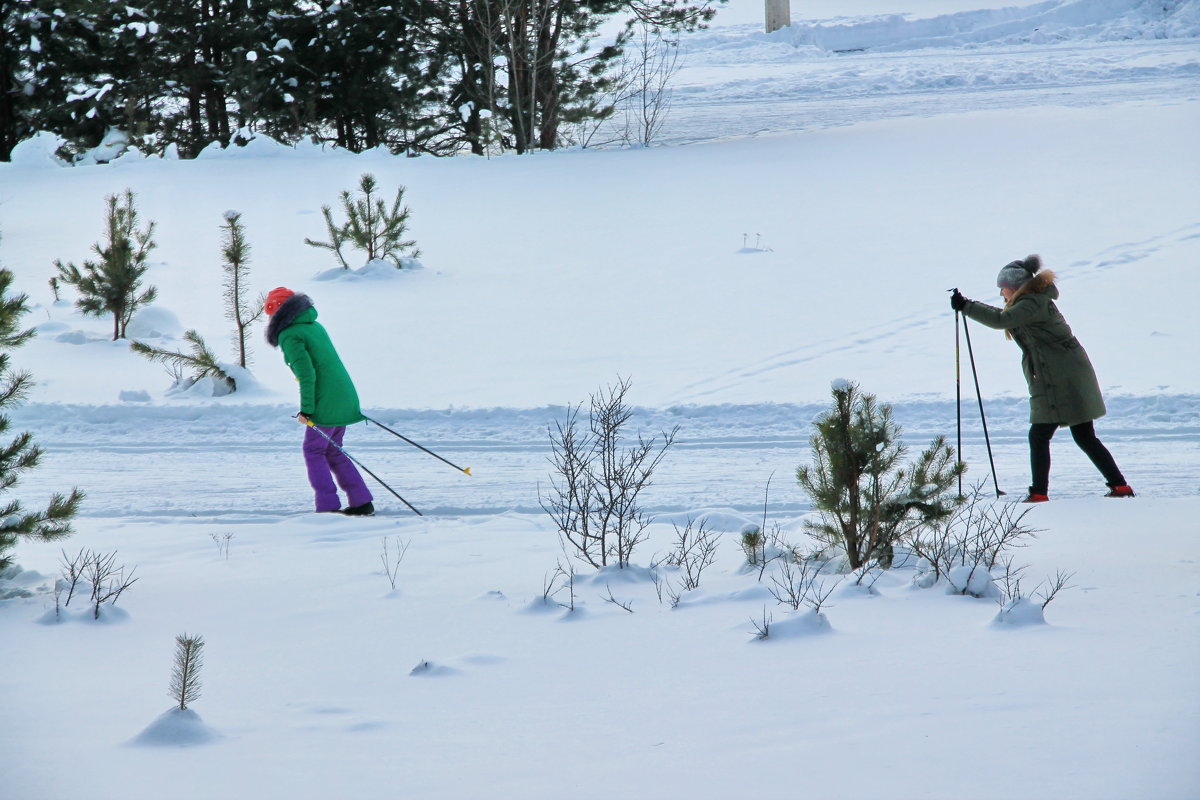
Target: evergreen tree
(867, 499)
(48, 48)
(21, 454)
(112, 285)
(235, 252)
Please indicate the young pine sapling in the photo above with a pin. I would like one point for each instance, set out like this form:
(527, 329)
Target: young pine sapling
(235, 254)
(185, 675)
(370, 226)
(113, 283)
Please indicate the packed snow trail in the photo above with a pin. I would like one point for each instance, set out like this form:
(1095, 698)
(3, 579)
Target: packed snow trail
(245, 462)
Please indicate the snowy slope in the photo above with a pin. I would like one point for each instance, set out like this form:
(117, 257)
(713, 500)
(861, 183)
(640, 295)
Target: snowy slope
(803, 224)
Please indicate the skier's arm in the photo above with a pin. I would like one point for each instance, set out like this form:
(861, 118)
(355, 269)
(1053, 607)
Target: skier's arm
(1001, 319)
(295, 353)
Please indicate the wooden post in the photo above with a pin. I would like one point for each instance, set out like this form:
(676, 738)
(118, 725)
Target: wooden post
(779, 14)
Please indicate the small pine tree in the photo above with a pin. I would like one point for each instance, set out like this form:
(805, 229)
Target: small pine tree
(370, 225)
(112, 285)
(201, 360)
(21, 453)
(185, 676)
(236, 254)
(867, 499)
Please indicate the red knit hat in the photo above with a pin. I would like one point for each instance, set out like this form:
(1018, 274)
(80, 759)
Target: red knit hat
(275, 299)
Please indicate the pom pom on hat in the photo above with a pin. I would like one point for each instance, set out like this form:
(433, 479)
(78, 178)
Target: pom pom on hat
(1016, 274)
(275, 299)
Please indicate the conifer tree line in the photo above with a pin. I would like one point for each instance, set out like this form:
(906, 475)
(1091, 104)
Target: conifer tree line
(414, 76)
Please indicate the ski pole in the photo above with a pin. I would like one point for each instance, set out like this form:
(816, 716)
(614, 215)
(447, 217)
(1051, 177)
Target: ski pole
(958, 392)
(328, 438)
(982, 416)
(467, 470)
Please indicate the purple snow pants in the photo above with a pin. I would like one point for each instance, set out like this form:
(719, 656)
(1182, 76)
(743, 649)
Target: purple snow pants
(326, 463)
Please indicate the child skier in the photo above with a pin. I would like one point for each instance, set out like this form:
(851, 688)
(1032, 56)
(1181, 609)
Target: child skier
(1063, 390)
(328, 401)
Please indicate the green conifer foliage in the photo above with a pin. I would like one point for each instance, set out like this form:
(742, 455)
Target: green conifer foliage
(202, 361)
(21, 454)
(235, 253)
(113, 283)
(867, 499)
(370, 225)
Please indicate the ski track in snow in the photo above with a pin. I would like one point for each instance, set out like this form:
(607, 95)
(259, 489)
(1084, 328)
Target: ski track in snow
(244, 463)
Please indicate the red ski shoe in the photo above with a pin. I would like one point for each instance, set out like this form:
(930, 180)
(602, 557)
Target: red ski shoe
(1123, 490)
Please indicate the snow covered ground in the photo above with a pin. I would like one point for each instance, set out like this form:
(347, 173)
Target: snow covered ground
(820, 190)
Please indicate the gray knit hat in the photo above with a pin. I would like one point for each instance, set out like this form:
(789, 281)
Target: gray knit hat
(1016, 274)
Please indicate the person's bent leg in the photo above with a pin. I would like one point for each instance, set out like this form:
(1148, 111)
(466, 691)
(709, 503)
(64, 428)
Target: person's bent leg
(344, 471)
(1040, 434)
(316, 447)
(1085, 436)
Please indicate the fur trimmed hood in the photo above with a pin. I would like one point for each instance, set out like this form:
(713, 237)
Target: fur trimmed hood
(1043, 281)
(291, 308)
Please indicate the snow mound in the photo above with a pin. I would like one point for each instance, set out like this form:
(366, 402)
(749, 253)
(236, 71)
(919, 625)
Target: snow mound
(432, 669)
(38, 151)
(1019, 613)
(176, 728)
(975, 581)
(808, 623)
(154, 322)
(377, 269)
(18, 582)
(108, 615)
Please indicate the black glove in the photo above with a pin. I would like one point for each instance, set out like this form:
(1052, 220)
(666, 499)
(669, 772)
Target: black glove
(957, 301)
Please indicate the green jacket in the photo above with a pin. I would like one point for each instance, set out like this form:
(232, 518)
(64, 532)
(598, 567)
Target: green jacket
(327, 395)
(1062, 383)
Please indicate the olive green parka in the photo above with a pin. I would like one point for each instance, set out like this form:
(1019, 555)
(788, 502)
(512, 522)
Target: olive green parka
(1062, 383)
(327, 395)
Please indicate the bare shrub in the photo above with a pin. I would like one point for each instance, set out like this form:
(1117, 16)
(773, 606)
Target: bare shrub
(762, 628)
(799, 584)
(695, 550)
(597, 480)
(108, 579)
(100, 571)
(980, 532)
(222, 541)
(391, 558)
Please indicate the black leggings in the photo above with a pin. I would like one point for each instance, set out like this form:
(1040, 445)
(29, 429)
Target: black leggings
(1040, 434)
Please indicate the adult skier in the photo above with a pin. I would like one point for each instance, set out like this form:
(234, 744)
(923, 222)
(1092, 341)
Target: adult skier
(1063, 390)
(328, 401)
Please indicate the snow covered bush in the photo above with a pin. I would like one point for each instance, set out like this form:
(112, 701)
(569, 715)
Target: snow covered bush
(979, 532)
(21, 454)
(370, 226)
(866, 498)
(99, 571)
(1017, 609)
(593, 494)
(112, 285)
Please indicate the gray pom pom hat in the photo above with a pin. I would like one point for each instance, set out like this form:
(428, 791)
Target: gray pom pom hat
(1016, 274)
